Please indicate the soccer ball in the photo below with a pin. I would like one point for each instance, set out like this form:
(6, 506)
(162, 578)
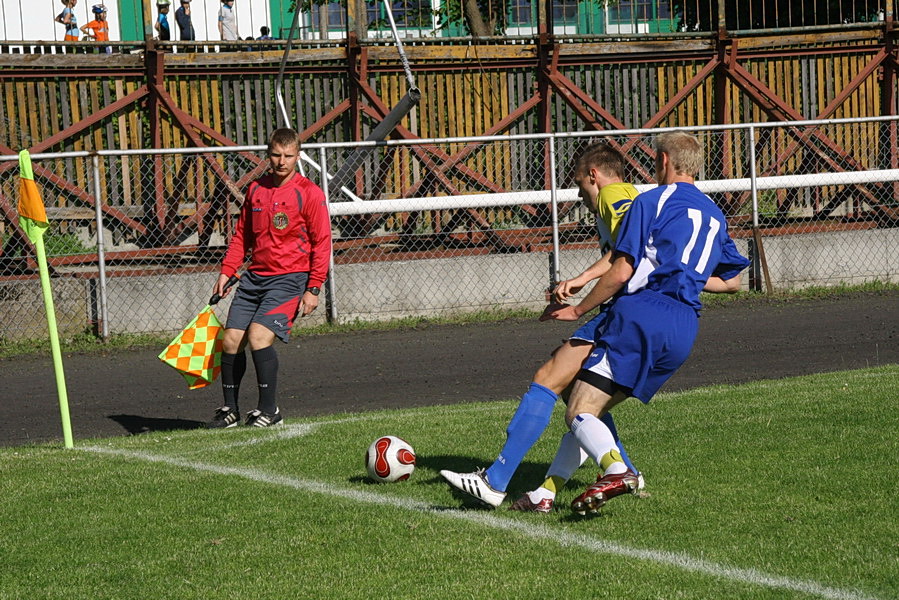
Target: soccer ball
(389, 459)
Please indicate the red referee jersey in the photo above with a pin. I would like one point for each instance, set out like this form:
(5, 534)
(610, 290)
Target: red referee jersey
(287, 229)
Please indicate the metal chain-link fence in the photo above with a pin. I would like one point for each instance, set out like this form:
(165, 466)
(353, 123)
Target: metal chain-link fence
(433, 227)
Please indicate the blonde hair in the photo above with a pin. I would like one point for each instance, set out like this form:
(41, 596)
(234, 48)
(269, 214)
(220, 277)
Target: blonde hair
(284, 137)
(684, 152)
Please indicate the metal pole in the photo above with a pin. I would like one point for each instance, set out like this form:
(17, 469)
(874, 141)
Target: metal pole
(391, 120)
(280, 79)
(101, 249)
(555, 212)
(753, 182)
(330, 288)
(399, 47)
(762, 264)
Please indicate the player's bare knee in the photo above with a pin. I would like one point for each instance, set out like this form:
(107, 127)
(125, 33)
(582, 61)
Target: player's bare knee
(233, 341)
(590, 399)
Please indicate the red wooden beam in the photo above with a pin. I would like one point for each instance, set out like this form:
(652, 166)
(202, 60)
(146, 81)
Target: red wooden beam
(183, 122)
(80, 126)
(496, 129)
(581, 102)
(379, 110)
(778, 109)
(63, 184)
(850, 88)
(679, 97)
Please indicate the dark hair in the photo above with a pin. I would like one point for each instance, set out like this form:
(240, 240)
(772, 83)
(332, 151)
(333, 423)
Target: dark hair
(284, 137)
(601, 156)
(264, 30)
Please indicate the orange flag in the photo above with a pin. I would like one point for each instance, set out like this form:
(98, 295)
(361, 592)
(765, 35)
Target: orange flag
(32, 216)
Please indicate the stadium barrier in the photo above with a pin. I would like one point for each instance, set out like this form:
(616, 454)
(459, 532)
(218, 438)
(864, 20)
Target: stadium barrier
(431, 227)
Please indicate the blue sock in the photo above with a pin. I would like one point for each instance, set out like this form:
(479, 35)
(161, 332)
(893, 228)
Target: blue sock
(525, 428)
(610, 423)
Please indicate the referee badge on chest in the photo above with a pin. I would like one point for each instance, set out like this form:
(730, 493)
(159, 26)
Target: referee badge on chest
(280, 220)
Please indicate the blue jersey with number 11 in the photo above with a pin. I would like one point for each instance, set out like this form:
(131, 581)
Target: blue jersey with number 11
(678, 239)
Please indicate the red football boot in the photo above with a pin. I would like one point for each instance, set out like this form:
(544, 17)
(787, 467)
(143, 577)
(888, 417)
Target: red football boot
(605, 488)
(525, 504)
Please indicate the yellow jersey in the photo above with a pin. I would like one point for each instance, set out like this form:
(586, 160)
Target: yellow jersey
(612, 203)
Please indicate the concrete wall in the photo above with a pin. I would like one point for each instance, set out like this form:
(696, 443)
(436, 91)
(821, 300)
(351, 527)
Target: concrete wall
(23, 314)
(389, 290)
(851, 257)
(159, 302)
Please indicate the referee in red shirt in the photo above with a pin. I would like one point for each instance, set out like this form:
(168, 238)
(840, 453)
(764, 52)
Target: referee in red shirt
(285, 228)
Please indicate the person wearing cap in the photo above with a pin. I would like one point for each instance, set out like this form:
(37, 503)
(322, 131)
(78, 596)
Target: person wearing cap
(185, 25)
(162, 22)
(98, 29)
(67, 17)
(228, 21)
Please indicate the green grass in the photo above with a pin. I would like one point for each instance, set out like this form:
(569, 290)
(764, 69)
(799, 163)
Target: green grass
(87, 342)
(756, 491)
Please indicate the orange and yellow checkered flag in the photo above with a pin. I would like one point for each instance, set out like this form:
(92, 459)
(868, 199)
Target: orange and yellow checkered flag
(196, 352)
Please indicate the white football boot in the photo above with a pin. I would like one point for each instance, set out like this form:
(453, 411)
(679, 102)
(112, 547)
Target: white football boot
(475, 485)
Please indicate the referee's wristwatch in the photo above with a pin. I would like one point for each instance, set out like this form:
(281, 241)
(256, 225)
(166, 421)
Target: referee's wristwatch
(314, 291)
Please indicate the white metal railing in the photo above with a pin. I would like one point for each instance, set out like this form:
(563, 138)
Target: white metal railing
(753, 184)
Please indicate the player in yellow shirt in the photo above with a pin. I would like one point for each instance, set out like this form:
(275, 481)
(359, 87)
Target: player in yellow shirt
(599, 174)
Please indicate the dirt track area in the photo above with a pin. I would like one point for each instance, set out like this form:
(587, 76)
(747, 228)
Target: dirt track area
(132, 392)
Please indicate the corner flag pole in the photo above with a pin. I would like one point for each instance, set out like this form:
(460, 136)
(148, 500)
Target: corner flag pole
(33, 220)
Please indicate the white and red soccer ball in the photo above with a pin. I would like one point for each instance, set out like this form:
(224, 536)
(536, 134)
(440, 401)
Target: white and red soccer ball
(390, 459)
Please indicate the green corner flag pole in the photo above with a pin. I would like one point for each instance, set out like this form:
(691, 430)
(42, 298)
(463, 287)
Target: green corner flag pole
(33, 220)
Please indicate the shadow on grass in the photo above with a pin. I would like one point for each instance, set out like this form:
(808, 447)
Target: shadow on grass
(135, 424)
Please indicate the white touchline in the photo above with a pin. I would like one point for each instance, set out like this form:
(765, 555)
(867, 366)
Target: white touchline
(488, 519)
(286, 432)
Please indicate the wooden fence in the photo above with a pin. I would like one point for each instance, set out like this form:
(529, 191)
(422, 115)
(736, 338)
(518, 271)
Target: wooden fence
(338, 92)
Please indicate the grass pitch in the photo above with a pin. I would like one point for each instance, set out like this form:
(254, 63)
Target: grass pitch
(776, 489)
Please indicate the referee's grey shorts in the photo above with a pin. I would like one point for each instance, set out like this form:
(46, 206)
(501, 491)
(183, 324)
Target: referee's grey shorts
(273, 301)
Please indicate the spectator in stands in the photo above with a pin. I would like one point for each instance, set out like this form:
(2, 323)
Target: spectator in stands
(98, 29)
(228, 21)
(185, 24)
(67, 17)
(265, 33)
(162, 22)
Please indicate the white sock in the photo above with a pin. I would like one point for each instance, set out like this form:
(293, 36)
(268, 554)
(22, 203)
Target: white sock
(568, 458)
(541, 493)
(598, 441)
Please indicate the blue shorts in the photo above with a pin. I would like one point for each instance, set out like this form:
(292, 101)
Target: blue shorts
(592, 329)
(646, 338)
(273, 301)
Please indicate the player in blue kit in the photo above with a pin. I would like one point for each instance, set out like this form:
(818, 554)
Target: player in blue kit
(598, 172)
(673, 244)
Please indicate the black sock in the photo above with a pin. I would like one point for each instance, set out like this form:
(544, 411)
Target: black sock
(233, 368)
(266, 362)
